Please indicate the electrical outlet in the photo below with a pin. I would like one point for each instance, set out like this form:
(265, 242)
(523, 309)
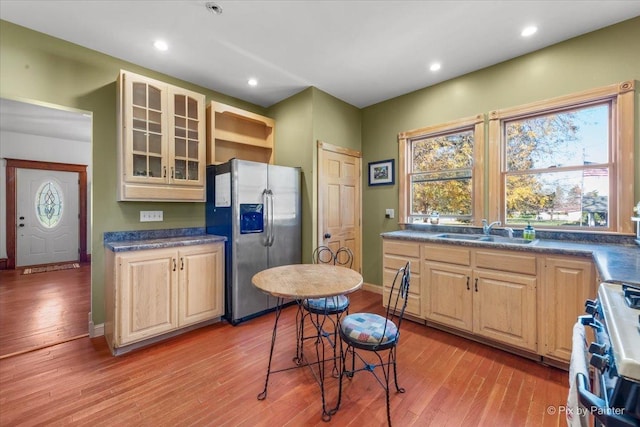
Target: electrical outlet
(389, 213)
(149, 216)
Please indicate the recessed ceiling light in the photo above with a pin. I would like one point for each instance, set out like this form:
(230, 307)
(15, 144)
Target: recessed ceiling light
(213, 8)
(161, 45)
(252, 82)
(435, 66)
(529, 31)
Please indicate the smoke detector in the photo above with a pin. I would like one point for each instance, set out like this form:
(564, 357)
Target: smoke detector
(213, 8)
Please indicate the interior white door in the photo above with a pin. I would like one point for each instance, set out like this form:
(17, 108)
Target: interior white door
(47, 216)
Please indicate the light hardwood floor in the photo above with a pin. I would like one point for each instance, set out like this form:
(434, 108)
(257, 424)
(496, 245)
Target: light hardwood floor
(212, 377)
(41, 309)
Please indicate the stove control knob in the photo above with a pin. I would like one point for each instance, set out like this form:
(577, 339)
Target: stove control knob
(590, 306)
(600, 362)
(597, 348)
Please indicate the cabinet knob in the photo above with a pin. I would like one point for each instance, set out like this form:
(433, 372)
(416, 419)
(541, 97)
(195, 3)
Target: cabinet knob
(327, 235)
(468, 288)
(476, 284)
(174, 264)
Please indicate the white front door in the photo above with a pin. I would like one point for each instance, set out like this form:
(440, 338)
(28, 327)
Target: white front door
(46, 216)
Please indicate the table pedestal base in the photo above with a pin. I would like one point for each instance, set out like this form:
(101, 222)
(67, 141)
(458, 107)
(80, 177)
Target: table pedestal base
(300, 360)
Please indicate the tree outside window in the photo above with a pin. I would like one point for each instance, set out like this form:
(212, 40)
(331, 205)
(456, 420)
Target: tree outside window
(441, 172)
(557, 168)
(441, 179)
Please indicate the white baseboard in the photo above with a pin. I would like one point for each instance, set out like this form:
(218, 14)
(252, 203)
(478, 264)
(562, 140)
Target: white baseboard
(95, 330)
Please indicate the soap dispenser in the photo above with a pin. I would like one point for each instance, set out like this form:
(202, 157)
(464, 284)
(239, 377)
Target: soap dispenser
(529, 233)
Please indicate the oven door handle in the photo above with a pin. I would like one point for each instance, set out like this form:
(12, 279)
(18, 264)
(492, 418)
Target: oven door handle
(598, 408)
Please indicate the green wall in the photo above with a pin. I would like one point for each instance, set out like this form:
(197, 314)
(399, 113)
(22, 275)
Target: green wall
(604, 57)
(38, 67)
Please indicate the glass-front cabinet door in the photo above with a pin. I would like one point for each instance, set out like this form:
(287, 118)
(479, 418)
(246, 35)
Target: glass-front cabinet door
(187, 140)
(145, 131)
(162, 148)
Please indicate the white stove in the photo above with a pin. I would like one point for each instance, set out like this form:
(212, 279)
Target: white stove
(612, 396)
(622, 321)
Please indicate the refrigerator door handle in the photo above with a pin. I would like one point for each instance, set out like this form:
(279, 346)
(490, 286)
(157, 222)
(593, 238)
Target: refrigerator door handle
(271, 236)
(267, 226)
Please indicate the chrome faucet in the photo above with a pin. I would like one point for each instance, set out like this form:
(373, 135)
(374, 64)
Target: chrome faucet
(509, 231)
(486, 228)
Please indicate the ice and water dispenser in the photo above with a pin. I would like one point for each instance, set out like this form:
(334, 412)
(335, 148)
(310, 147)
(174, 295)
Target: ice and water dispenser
(251, 218)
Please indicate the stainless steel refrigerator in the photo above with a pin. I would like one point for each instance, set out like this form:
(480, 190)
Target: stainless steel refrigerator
(257, 207)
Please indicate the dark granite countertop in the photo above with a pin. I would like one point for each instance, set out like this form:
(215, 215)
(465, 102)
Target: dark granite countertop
(123, 241)
(615, 262)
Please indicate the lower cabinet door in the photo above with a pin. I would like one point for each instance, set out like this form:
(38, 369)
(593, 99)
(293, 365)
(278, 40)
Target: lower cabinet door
(147, 295)
(504, 308)
(201, 283)
(568, 282)
(449, 295)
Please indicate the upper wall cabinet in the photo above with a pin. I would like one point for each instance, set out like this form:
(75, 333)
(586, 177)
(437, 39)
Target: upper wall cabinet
(235, 133)
(161, 147)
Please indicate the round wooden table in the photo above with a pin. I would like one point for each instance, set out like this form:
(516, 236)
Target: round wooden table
(300, 282)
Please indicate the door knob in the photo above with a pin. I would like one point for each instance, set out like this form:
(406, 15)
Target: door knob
(327, 235)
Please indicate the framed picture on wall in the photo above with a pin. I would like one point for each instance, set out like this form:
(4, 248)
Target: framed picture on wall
(381, 173)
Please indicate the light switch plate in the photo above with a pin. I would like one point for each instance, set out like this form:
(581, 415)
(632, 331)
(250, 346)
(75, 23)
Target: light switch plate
(389, 213)
(149, 216)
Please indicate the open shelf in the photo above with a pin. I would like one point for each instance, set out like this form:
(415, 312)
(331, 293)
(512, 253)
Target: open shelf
(235, 133)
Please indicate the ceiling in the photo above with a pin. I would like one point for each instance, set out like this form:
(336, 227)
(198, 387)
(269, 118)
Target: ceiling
(45, 120)
(362, 52)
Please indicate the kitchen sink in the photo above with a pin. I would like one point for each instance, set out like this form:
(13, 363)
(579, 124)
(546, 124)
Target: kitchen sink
(462, 236)
(483, 238)
(512, 240)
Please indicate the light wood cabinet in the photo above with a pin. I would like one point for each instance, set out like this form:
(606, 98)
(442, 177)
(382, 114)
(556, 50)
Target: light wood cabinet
(146, 295)
(396, 255)
(522, 299)
(153, 292)
(201, 283)
(567, 283)
(504, 308)
(467, 290)
(236, 133)
(161, 146)
(448, 295)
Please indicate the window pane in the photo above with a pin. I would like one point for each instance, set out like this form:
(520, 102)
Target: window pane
(576, 198)
(49, 204)
(139, 94)
(179, 105)
(571, 138)
(443, 152)
(448, 198)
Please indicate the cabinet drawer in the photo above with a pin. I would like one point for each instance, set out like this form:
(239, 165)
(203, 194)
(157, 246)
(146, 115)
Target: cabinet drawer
(394, 262)
(407, 249)
(414, 282)
(413, 303)
(448, 254)
(506, 261)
